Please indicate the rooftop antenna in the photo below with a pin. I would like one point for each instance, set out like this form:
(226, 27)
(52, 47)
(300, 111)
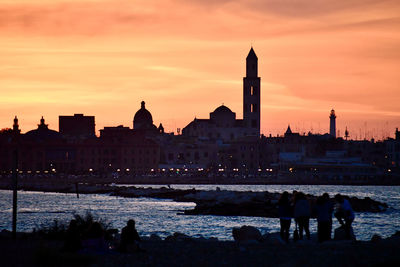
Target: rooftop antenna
(365, 131)
(346, 134)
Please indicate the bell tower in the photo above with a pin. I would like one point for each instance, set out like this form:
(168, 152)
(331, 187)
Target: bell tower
(251, 95)
(16, 126)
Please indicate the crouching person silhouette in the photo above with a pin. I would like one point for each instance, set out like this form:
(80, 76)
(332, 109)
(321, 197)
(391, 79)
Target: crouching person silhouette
(345, 215)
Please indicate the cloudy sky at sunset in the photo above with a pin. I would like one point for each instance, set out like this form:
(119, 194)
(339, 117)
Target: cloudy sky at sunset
(185, 58)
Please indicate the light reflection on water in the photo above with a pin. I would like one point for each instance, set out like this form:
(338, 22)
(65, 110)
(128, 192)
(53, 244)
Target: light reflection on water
(160, 216)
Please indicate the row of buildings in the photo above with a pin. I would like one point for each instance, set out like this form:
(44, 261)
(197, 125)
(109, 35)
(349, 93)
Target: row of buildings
(222, 143)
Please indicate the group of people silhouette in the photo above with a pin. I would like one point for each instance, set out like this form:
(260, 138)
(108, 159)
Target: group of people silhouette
(94, 238)
(299, 208)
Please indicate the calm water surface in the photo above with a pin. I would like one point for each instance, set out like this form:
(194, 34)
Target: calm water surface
(160, 216)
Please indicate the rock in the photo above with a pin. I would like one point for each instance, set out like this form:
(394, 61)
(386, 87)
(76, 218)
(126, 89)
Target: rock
(273, 239)
(397, 234)
(246, 233)
(367, 205)
(340, 234)
(260, 204)
(376, 238)
(154, 237)
(178, 237)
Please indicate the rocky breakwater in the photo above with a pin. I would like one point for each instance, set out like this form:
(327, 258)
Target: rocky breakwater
(78, 187)
(163, 192)
(57, 186)
(260, 204)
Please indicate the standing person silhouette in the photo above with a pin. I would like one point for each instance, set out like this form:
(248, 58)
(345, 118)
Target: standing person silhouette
(285, 215)
(324, 210)
(302, 213)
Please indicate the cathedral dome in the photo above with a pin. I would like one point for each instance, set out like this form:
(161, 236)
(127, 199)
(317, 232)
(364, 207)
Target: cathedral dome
(222, 109)
(42, 133)
(143, 118)
(222, 116)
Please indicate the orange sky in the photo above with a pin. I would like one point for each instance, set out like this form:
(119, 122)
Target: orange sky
(185, 58)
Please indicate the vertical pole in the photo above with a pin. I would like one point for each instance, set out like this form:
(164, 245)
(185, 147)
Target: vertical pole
(77, 191)
(15, 185)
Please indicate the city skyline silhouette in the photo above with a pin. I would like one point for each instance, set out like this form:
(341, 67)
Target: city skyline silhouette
(192, 133)
(100, 56)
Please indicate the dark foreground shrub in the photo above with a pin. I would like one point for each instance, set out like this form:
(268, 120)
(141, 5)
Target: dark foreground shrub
(58, 229)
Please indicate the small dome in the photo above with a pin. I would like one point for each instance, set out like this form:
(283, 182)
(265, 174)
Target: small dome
(42, 133)
(222, 116)
(222, 109)
(143, 118)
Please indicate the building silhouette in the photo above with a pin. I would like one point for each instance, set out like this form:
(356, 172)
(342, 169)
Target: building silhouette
(77, 126)
(117, 149)
(222, 124)
(332, 125)
(252, 95)
(42, 133)
(221, 144)
(16, 126)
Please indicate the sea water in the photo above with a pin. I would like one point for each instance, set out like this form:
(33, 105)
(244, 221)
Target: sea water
(161, 217)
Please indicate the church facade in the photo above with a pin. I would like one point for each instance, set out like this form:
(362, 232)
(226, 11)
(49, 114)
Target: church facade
(222, 124)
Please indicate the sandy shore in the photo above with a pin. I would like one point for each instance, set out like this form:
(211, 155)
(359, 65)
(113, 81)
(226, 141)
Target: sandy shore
(30, 251)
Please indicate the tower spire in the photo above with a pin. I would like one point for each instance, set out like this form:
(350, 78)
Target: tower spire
(15, 125)
(252, 64)
(288, 130)
(251, 95)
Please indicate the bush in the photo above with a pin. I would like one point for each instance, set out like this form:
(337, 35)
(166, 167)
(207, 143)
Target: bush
(58, 230)
(55, 230)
